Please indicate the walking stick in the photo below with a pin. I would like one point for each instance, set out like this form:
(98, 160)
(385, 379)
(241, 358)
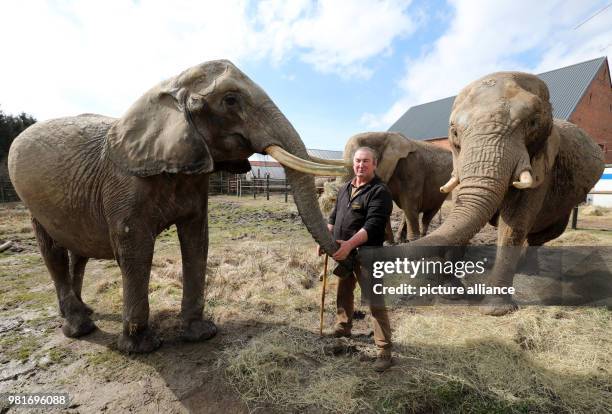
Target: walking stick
(323, 287)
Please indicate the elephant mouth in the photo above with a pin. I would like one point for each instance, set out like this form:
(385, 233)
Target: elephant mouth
(305, 166)
(234, 145)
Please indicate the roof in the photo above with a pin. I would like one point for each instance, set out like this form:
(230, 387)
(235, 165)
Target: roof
(325, 154)
(566, 86)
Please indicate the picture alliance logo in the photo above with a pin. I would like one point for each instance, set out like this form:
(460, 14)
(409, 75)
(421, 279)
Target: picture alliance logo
(412, 268)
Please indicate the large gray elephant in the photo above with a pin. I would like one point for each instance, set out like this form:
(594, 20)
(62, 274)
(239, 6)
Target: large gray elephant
(515, 164)
(414, 172)
(99, 187)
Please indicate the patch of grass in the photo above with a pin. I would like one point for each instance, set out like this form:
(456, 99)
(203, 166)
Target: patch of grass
(107, 285)
(18, 346)
(57, 355)
(107, 358)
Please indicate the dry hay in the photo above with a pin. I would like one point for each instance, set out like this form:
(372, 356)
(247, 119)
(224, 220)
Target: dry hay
(595, 211)
(575, 238)
(289, 367)
(327, 200)
(527, 362)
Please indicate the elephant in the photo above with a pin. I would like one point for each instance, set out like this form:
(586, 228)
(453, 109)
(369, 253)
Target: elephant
(100, 187)
(516, 165)
(413, 171)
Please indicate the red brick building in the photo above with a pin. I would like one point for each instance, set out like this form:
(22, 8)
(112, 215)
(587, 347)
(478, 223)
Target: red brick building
(580, 93)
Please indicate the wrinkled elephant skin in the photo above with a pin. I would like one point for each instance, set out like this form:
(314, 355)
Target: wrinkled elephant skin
(99, 187)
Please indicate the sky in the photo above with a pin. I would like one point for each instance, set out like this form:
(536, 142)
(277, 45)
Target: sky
(335, 68)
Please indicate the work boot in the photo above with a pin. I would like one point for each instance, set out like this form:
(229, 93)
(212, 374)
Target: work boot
(383, 360)
(340, 331)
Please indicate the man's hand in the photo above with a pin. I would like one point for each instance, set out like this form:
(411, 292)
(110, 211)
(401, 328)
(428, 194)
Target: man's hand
(344, 250)
(346, 246)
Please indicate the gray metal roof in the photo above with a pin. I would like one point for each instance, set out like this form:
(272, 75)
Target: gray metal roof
(566, 86)
(325, 154)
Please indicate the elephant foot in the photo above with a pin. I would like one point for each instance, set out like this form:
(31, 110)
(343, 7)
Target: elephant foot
(77, 325)
(199, 330)
(142, 342)
(498, 307)
(87, 309)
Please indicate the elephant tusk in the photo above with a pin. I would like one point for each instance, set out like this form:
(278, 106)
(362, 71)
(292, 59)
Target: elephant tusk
(331, 162)
(308, 167)
(525, 181)
(450, 185)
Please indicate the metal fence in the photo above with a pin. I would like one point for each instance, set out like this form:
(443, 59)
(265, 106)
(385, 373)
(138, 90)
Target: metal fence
(607, 225)
(7, 192)
(240, 186)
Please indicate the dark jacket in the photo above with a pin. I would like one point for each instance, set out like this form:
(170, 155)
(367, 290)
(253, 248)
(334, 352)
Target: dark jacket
(369, 209)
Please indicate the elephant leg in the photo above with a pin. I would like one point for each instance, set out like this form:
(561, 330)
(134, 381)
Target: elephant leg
(509, 249)
(402, 230)
(77, 320)
(426, 220)
(389, 232)
(77, 270)
(193, 237)
(516, 217)
(134, 253)
(412, 219)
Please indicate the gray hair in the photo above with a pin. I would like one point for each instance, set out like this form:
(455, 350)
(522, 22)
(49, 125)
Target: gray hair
(370, 150)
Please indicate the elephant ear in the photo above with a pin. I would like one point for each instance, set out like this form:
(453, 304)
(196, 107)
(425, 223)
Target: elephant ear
(544, 160)
(158, 135)
(396, 148)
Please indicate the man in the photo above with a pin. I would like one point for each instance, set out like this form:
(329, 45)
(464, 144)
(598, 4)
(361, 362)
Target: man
(362, 209)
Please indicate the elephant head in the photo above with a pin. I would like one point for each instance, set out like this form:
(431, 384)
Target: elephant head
(212, 116)
(390, 146)
(503, 140)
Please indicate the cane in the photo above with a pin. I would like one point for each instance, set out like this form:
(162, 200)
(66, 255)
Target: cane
(323, 287)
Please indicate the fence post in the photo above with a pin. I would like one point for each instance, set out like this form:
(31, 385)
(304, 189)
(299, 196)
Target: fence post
(254, 184)
(286, 190)
(2, 200)
(575, 217)
(267, 187)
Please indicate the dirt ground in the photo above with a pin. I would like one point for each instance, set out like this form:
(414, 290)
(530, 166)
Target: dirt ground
(263, 291)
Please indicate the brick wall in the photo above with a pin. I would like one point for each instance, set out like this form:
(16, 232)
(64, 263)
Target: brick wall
(594, 111)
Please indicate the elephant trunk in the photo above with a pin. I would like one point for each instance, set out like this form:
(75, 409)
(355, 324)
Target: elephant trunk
(485, 172)
(303, 187)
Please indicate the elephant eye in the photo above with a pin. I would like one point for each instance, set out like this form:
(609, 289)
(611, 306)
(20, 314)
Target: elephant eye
(230, 100)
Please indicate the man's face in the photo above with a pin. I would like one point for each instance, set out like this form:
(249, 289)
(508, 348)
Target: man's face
(364, 164)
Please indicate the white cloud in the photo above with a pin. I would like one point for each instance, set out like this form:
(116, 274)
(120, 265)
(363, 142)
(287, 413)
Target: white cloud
(342, 36)
(486, 36)
(68, 57)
